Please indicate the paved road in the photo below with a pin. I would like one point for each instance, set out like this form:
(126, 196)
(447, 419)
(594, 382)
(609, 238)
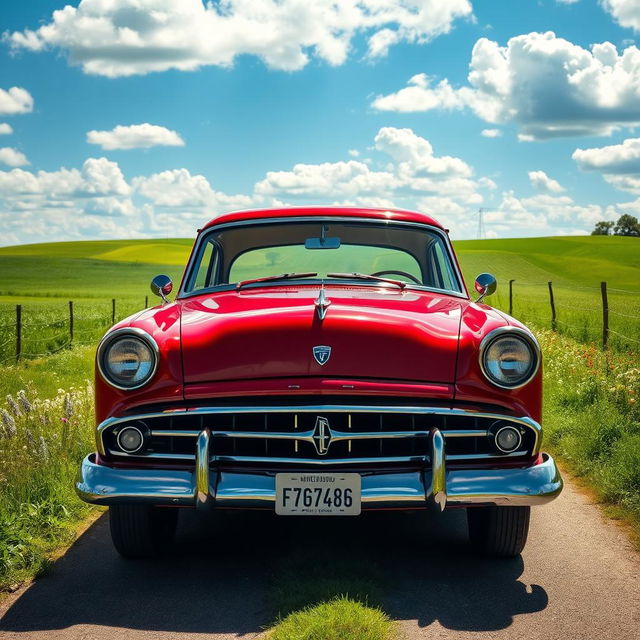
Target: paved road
(579, 578)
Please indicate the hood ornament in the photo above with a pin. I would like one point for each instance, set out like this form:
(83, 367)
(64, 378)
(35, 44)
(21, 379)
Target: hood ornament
(322, 435)
(322, 303)
(322, 353)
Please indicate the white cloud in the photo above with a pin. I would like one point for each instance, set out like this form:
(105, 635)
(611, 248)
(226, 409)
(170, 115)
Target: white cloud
(491, 133)
(128, 37)
(411, 169)
(421, 96)
(15, 100)
(12, 157)
(541, 181)
(5, 129)
(178, 188)
(625, 12)
(354, 153)
(619, 164)
(549, 86)
(135, 136)
(617, 158)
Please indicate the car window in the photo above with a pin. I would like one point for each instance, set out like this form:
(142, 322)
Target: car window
(415, 254)
(347, 258)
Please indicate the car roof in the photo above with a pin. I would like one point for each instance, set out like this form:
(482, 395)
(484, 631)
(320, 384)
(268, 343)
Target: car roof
(401, 215)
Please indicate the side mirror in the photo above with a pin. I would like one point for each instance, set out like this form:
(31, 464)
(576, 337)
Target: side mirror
(486, 285)
(162, 286)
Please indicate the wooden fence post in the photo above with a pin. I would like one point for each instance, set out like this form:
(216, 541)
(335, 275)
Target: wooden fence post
(605, 315)
(511, 297)
(18, 331)
(553, 307)
(70, 321)
(146, 302)
(113, 311)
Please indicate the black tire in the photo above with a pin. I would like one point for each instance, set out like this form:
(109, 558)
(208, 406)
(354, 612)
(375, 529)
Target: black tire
(499, 531)
(140, 530)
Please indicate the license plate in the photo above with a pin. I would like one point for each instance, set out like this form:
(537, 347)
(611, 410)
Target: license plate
(318, 494)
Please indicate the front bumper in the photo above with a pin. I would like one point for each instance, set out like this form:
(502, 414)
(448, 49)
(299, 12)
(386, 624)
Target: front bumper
(435, 486)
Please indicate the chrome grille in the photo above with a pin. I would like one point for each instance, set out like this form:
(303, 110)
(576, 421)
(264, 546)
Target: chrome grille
(289, 435)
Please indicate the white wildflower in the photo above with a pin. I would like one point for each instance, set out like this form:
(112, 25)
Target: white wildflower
(8, 423)
(24, 402)
(13, 405)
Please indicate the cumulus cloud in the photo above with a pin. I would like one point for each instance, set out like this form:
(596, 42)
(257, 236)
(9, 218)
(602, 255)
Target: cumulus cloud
(619, 164)
(411, 169)
(135, 136)
(491, 133)
(15, 100)
(5, 129)
(12, 157)
(542, 182)
(625, 12)
(547, 85)
(178, 188)
(616, 158)
(129, 37)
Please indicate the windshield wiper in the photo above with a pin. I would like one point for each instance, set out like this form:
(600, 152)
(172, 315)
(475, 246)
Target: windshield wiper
(282, 276)
(366, 276)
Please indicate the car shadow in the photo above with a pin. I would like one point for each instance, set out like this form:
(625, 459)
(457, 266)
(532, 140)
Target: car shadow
(234, 572)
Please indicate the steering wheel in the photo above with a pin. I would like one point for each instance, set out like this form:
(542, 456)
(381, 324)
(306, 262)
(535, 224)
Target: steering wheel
(393, 272)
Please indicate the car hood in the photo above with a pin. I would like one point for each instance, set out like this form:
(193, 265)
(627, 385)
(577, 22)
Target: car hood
(270, 332)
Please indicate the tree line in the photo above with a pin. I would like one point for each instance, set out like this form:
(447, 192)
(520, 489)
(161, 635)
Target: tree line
(627, 225)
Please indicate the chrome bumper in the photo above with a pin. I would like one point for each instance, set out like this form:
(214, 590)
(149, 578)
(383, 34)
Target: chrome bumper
(435, 486)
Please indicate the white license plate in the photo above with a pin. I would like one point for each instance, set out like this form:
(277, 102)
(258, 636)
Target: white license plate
(318, 494)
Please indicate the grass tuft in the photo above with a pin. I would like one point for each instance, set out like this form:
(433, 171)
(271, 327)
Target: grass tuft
(338, 619)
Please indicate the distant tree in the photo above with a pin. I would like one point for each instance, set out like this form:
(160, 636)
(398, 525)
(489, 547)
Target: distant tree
(603, 228)
(272, 257)
(627, 225)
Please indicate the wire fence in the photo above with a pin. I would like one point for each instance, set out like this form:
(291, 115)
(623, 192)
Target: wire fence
(36, 330)
(607, 316)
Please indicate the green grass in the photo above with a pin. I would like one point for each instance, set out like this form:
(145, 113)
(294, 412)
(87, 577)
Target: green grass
(592, 418)
(42, 441)
(338, 619)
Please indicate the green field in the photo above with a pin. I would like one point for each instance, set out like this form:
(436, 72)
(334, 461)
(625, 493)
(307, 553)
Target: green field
(44, 277)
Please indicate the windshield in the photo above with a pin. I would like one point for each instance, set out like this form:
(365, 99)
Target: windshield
(412, 254)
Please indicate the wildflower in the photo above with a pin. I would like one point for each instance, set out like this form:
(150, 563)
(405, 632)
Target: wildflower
(8, 423)
(30, 439)
(68, 405)
(13, 405)
(43, 449)
(24, 402)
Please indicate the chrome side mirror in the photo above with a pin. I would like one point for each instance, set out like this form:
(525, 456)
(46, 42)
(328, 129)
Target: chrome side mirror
(162, 286)
(486, 285)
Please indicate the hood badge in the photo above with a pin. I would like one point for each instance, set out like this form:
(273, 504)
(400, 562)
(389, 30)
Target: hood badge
(322, 435)
(322, 353)
(322, 304)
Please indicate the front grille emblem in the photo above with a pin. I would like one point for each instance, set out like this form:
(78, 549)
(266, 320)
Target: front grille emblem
(322, 435)
(322, 354)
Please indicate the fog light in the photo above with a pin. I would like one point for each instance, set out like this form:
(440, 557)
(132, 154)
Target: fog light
(507, 439)
(130, 439)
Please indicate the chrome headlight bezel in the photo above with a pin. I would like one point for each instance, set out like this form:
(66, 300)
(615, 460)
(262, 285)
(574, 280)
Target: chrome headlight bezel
(130, 333)
(512, 332)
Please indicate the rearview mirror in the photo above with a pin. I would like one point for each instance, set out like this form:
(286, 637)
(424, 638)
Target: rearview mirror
(485, 285)
(322, 243)
(162, 286)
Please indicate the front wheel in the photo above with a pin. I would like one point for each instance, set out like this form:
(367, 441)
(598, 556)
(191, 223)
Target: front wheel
(140, 530)
(499, 531)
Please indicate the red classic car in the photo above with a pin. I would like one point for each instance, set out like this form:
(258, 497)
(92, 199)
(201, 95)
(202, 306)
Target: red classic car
(319, 361)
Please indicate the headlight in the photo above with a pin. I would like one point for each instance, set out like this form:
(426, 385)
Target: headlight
(509, 357)
(127, 358)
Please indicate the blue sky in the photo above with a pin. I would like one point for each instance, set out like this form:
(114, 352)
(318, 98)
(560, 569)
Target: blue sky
(136, 118)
